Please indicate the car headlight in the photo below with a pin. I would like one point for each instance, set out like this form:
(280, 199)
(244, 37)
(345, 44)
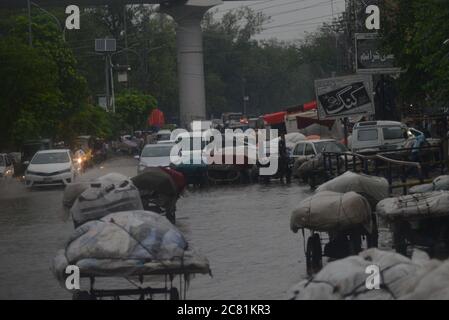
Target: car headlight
(66, 170)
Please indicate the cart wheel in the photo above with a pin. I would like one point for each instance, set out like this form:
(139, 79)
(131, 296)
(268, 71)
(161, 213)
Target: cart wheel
(82, 295)
(400, 238)
(174, 294)
(314, 254)
(373, 238)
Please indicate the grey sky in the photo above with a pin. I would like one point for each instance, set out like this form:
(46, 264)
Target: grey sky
(291, 19)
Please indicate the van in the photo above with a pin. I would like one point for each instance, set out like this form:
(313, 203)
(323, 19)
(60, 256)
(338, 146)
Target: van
(380, 136)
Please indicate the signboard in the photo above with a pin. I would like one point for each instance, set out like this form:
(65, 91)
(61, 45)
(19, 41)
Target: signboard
(369, 58)
(105, 45)
(344, 97)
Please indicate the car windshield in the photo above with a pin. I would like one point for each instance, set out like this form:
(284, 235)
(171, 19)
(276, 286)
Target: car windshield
(330, 146)
(164, 137)
(393, 133)
(51, 157)
(156, 151)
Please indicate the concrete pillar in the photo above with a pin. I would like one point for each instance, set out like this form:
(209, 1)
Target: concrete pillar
(189, 42)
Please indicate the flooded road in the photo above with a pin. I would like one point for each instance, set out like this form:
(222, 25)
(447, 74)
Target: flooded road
(242, 230)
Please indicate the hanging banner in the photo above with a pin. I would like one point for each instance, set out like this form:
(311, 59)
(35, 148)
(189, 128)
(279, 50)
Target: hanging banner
(344, 97)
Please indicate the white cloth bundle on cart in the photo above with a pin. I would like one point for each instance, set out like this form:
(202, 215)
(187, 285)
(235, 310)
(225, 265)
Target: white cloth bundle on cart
(374, 189)
(416, 206)
(110, 193)
(128, 244)
(346, 279)
(331, 211)
(400, 278)
(440, 183)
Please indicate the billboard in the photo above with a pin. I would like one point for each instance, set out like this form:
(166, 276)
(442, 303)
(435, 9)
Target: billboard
(369, 58)
(344, 97)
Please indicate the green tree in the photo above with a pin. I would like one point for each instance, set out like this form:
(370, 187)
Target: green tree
(416, 31)
(133, 108)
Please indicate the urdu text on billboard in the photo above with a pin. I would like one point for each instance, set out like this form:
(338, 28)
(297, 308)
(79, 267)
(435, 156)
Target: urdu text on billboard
(343, 97)
(370, 58)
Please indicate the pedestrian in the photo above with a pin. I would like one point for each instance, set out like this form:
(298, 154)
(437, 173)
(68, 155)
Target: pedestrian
(416, 153)
(283, 159)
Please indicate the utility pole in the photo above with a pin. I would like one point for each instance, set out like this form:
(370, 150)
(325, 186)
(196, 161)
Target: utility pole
(106, 70)
(111, 72)
(125, 33)
(30, 34)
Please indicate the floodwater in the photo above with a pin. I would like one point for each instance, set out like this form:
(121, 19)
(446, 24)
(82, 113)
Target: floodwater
(243, 231)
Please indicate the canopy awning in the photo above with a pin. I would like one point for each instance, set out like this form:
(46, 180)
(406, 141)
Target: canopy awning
(275, 118)
(310, 106)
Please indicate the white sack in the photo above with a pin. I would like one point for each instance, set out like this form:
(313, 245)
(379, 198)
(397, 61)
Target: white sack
(416, 206)
(128, 244)
(374, 189)
(108, 194)
(330, 211)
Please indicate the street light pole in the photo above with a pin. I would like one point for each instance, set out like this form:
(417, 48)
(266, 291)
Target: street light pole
(30, 34)
(106, 70)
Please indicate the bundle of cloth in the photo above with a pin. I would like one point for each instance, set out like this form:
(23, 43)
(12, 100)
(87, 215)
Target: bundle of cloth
(304, 168)
(130, 243)
(374, 189)
(414, 207)
(329, 211)
(440, 183)
(107, 194)
(377, 275)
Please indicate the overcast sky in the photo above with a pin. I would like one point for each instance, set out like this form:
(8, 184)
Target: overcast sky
(290, 19)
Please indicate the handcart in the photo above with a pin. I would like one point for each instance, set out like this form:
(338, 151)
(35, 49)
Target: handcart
(429, 234)
(173, 287)
(419, 220)
(139, 247)
(337, 245)
(339, 224)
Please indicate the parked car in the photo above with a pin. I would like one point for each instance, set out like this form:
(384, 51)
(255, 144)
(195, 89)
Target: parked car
(154, 155)
(29, 149)
(50, 167)
(305, 150)
(6, 166)
(382, 136)
(163, 136)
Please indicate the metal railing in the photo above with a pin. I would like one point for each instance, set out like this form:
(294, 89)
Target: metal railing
(382, 164)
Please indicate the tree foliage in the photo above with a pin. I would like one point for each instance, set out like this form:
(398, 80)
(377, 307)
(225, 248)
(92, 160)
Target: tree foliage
(133, 109)
(416, 32)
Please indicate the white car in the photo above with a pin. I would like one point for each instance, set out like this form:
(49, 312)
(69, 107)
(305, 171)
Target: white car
(50, 167)
(154, 155)
(6, 166)
(309, 149)
(163, 136)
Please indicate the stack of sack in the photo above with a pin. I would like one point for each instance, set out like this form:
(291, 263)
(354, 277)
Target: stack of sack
(374, 189)
(440, 183)
(414, 207)
(305, 168)
(329, 211)
(107, 194)
(128, 243)
(400, 278)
